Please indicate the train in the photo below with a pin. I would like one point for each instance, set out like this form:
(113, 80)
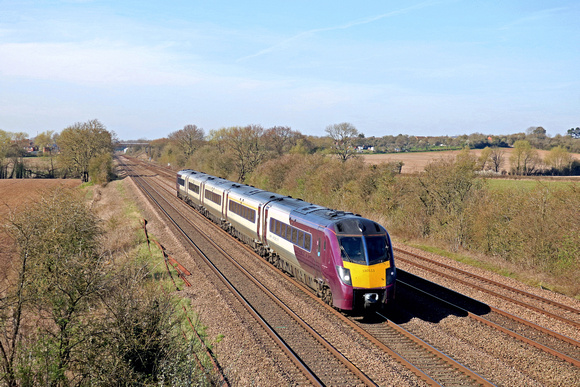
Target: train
(346, 259)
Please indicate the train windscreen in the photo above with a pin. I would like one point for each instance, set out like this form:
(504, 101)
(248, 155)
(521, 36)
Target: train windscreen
(352, 249)
(377, 249)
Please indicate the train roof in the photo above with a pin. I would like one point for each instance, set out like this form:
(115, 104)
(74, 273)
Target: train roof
(344, 221)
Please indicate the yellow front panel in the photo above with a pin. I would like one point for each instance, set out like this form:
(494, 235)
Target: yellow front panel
(364, 276)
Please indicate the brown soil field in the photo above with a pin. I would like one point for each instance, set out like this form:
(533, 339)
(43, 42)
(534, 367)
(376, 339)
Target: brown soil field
(414, 162)
(16, 194)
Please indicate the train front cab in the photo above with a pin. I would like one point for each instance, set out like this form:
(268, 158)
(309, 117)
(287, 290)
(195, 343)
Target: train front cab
(363, 260)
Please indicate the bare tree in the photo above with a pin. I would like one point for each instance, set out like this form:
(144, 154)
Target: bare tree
(187, 139)
(343, 135)
(280, 139)
(246, 146)
(496, 158)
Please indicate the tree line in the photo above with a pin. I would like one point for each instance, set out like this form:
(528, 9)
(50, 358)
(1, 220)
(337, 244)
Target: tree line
(82, 150)
(235, 152)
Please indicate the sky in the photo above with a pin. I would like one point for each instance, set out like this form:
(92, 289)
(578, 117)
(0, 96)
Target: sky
(147, 68)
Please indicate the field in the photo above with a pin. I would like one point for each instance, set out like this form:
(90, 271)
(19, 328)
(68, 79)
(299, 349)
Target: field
(14, 196)
(414, 162)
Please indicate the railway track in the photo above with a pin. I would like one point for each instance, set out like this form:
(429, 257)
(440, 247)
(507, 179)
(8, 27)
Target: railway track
(428, 363)
(434, 367)
(563, 313)
(527, 332)
(317, 360)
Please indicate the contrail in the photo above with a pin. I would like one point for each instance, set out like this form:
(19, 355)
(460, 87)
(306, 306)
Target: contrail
(341, 27)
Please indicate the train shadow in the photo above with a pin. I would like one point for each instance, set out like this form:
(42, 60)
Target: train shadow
(418, 298)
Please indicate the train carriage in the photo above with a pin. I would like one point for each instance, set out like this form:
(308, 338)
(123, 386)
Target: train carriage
(213, 197)
(188, 186)
(243, 212)
(346, 259)
(181, 186)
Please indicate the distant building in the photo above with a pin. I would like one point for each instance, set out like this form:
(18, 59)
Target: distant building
(362, 148)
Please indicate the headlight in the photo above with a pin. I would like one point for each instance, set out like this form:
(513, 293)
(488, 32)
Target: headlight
(391, 275)
(344, 275)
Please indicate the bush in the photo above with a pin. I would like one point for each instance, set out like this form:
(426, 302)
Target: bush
(448, 203)
(101, 169)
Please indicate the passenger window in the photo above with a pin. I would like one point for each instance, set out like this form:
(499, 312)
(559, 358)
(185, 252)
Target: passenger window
(301, 238)
(307, 238)
(283, 230)
(294, 236)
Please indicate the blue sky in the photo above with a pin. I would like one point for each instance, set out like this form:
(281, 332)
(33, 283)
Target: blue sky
(147, 68)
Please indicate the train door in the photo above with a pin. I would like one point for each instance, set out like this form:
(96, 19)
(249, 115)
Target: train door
(259, 223)
(265, 225)
(321, 250)
(225, 207)
(222, 210)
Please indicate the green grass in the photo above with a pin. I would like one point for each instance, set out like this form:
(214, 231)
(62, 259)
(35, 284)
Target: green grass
(506, 184)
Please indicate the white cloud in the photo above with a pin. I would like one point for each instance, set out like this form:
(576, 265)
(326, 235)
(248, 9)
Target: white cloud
(99, 63)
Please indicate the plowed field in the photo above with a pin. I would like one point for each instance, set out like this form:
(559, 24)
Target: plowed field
(16, 195)
(414, 162)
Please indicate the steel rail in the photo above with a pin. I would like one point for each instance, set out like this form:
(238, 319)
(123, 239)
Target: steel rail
(398, 357)
(367, 381)
(489, 323)
(271, 332)
(490, 281)
(495, 294)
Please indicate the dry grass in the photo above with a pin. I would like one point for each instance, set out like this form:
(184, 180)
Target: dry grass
(120, 219)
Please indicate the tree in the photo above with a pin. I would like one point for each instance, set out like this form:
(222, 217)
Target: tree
(4, 149)
(57, 239)
(46, 141)
(343, 135)
(280, 139)
(246, 147)
(537, 131)
(574, 132)
(446, 189)
(80, 143)
(484, 158)
(496, 158)
(524, 158)
(187, 139)
(101, 168)
(559, 159)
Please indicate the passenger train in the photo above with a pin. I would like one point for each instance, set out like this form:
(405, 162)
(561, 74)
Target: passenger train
(345, 259)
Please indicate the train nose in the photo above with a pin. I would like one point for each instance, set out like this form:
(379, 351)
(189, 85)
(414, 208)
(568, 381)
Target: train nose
(370, 299)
